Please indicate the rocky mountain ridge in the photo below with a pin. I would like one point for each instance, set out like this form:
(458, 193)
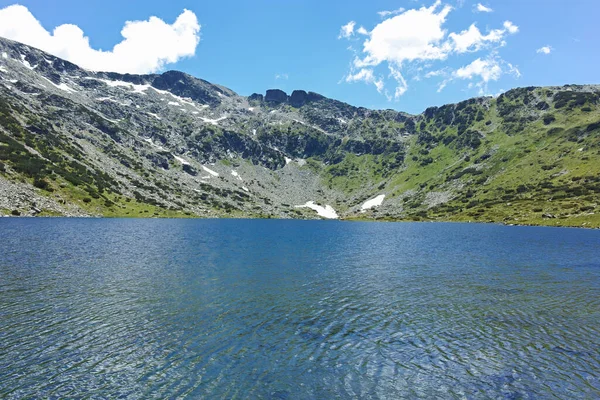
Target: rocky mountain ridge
(78, 142)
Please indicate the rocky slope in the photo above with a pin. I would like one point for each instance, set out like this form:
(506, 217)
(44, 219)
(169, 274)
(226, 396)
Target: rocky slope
(77, 142)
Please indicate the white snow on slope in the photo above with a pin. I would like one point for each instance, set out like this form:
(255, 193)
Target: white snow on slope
(154, 115)
(181, 160)
(234, 173)
(154, 145)
(136, 88)
(213, 121)
(62, 86)
(4, 55)
(287, 160)
(173, 103)
(210, 171)
(374, 202)
(112, 100)
(26, 63)
(325, 212)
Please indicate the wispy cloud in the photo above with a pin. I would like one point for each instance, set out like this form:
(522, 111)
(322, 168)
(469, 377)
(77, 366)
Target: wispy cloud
(147, 46)
(347, 30)
(545, 50)
(384, 14)
(282, 76)
(481, 8)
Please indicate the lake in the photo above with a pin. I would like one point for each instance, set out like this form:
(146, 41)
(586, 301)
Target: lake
(149, 308)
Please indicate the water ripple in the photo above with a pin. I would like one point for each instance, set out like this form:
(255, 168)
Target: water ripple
(142, 309)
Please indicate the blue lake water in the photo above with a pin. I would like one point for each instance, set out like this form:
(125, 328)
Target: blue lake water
(134, 308)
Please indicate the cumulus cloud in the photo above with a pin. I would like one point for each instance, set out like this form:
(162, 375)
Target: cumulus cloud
(147, 46)
(481, 8)
(510, 27)
(484, 71)
(410, 38)
(544, 50)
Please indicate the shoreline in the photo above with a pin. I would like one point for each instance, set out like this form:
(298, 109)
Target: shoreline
(368, 220)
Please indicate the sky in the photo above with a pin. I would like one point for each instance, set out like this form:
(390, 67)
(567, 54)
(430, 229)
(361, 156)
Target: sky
(404, 54)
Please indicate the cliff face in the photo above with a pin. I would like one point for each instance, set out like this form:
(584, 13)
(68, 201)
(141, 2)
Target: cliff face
(77, 142)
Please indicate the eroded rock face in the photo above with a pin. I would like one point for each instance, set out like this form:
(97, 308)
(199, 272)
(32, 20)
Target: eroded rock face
(255, 97)
(276, 96)
(298, 98)
(184, 85)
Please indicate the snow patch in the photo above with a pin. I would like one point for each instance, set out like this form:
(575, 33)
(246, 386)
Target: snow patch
(234, 173)
(181, 160)
(210, 171)
(173, 103)
(250, 108)
(213, 121)
(325, 212)
(254, 132)
(154, 115)
(111, 99)
(287, 160)
(114, 121)
(136, 88)
(62, 86)
(4, 55)
(374, 202)
(245, 188)
(26, 63)
(154, 145)
(2, 69)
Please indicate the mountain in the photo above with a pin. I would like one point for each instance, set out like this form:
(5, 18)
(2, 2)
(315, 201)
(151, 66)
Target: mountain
(77, 142)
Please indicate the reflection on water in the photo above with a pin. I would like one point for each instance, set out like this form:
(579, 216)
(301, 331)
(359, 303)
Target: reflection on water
(294, 309)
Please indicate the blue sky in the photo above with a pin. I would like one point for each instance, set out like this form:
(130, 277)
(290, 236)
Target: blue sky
(426, 54)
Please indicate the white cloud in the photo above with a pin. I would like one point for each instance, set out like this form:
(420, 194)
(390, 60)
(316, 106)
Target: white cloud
(472, 39)
(487, 70)
(544, 50)
(481, 8)
(384, 14)
(510, 27)
(347, 30)
(282, 76)
(484, 71)
(147, 46)
(412, 35)
(367, 76)
(406, 41)
(362, 31)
